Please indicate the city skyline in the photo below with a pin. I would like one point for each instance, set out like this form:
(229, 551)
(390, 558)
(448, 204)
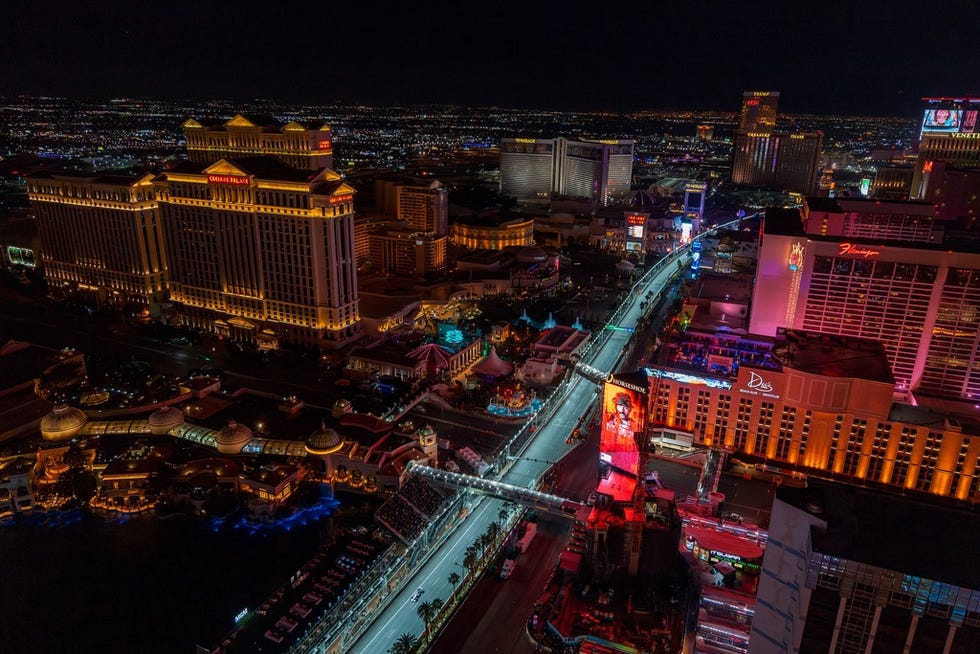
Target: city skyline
(540, 57)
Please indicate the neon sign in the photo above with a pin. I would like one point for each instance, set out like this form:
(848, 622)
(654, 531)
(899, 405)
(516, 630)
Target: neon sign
(636, 219)
(526, 140)
(324, 145)
(857, 250)
(795, 259)
(757, 382)
(234, 180)
(337, 199)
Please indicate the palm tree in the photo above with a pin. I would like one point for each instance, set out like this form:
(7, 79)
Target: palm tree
(494, 530)
(502, 514)
(426, 610)
(469, 562)
(405, 644)
(453, 579)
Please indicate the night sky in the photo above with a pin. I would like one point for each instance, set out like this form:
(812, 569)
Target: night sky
(837, 56)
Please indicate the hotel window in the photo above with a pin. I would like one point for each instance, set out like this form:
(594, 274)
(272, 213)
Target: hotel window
(878, 447)
(683, 401)
(764, 428)
(906, 442)
(960, 464)
(661, 405)
(721, 416)
(701, 413)
(927, 466)
(854, 445)
(785, 436)
(805, 432)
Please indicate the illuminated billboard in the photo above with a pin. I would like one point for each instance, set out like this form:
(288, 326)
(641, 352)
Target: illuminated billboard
(634, 231)
(942, 120)
(969, 123)
(623, 413)
(686, 232)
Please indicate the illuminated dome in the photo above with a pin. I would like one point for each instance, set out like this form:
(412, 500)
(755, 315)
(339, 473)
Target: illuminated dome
(232, 437)
(62, 423)
(164, 419)
(340, 407)
(323, 441)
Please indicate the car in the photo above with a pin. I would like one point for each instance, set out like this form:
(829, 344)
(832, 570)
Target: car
(417, 594)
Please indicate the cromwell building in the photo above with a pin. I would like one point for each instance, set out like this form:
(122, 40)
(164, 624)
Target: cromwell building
(819, 403)
(877, 270)
(261, 252)
(101, 236)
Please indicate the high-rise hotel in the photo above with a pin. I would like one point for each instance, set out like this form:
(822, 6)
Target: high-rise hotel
(880, 270)
(949, 134)
(298, 146)
(758, 111)
(101, 237)
(765, 157)
(539, 168)
(260, 251)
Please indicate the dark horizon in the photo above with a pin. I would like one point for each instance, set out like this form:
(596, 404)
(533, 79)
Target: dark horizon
(840, 57)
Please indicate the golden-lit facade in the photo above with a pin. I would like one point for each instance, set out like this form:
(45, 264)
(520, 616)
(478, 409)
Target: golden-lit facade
(841, 423)
(494, 235)
(261, 252)
(298, 146)
(406, 252)
(101, 235)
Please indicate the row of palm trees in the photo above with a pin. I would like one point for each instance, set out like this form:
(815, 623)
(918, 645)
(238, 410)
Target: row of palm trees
(474, 559)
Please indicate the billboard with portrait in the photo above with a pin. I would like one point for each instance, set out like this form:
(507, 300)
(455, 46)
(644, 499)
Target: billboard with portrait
(623, 417)
(941, 120)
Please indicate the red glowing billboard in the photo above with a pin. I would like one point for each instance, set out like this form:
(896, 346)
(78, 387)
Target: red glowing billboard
(622, 417)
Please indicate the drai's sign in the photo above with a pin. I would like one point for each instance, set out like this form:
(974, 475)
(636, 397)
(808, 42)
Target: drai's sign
(756, 384)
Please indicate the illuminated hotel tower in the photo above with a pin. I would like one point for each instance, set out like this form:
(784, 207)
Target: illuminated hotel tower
(786, 161)
(527, 168)
(101, 236)
(424, 209)
(298, 146)
(261, 252)
(949, 134)
(879, 270)
(600, 170)
(758, 111)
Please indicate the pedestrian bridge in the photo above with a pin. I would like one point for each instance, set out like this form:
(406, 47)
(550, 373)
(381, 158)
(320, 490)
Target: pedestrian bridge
(509, 492)
(590, 373)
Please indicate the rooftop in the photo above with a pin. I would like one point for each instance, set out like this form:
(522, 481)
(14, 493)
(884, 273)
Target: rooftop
(873, 527)
(819, 354)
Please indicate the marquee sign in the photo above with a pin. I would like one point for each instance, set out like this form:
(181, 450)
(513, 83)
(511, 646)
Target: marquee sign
(337, 199)
(233, 180)
(636, 219)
